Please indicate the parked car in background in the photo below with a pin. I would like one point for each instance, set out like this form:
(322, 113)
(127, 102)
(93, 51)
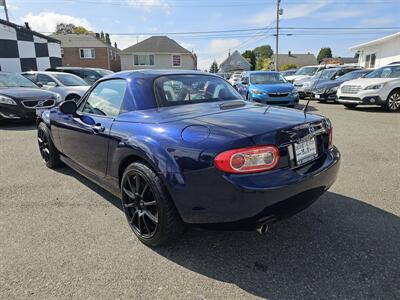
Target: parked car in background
(268, 87)
(163, 138)
(69, 86)
(306, 86)
(304, 72)
(326, 90)
(380, 87)
(90, 75)
(288, 72)
(234, 79)
(20, 97)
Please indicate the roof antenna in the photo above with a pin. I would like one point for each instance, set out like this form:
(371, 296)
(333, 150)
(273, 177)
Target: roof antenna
(313, 89)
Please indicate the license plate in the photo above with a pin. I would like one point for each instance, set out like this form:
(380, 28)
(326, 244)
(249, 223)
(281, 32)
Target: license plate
(317, 96)
(305, 151)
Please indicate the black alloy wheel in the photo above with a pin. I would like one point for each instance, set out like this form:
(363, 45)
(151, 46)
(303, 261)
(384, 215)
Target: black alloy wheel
(48, 151)
(149, 209)
(140, 204)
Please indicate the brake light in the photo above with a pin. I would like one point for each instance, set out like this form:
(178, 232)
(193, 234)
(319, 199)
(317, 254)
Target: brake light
(248, 160)
(330, 137)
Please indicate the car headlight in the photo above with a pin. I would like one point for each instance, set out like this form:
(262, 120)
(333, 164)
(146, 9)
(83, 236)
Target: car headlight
(374, 87)
(257, 92)
(7, 100)
(295, 92)
(58, 98)
(333, 90)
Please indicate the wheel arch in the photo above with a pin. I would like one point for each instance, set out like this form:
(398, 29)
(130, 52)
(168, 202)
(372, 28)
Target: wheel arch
(396, 88)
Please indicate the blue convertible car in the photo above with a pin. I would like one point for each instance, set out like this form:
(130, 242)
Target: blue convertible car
(181, 147)
(268, 87)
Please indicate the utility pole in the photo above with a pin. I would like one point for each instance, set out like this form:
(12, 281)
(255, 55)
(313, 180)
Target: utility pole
(3, 2)
(278, 12)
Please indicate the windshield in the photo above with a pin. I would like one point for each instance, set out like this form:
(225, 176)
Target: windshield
(15, 80)
(267, 78)
(351, 75)
(104, 72)
(385, 72)
(189, 89)
(325, 74)
(70, 80)
(307, 71)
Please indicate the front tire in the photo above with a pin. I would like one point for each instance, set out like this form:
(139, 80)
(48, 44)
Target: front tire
(48, 151)
(350, 106)
(393, 101)
(148, 208)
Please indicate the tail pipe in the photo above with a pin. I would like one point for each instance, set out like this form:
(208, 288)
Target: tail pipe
(262, 229)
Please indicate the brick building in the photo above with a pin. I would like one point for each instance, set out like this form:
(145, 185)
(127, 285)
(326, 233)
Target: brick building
(86, 50)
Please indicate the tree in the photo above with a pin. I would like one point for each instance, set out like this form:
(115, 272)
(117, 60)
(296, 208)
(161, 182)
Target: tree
(81, 30)
(214, 67)
(251, 57)
(263, 52)
(263, 64)
(324, 53)
(64, 28)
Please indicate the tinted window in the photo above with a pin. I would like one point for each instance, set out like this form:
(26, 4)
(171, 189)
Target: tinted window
(188, 89)
(70, 79)
(106, 98)
(307, 71)
(385, 72)
(44, 79)
(30, 76)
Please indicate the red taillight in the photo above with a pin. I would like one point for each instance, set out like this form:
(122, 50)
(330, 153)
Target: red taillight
(248, 160)
(330, 137)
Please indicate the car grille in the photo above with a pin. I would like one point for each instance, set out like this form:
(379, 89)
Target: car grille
(278, 94)
(350, 89)
(38, 103)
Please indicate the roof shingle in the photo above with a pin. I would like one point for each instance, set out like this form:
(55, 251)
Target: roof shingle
(156, 44)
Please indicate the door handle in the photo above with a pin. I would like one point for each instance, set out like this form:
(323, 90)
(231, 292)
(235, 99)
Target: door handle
(97, 128)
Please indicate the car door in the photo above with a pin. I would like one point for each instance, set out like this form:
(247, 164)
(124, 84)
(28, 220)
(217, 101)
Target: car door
(85, 136)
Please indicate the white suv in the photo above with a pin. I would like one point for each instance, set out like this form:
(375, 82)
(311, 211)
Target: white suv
(380, 87)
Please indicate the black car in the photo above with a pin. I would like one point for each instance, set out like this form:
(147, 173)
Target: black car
(326, 90)
(20, 97)
(90, 75)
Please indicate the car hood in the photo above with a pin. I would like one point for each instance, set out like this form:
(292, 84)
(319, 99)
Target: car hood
(249, 119)
(364, 82)
(296, 77)
(280, 87)
(17, 93)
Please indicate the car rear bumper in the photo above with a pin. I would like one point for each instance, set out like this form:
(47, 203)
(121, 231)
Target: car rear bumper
(245, 201)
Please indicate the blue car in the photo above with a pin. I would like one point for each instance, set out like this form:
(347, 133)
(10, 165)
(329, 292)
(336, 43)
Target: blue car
(268, 87)
(182, 147)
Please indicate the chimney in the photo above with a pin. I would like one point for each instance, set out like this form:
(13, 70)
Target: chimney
(108, 41)
(27, 26)
(97, 35)
(115, 45)
(290, 53)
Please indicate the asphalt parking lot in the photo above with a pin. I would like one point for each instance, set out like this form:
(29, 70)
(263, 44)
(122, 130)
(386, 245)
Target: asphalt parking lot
(63, 237)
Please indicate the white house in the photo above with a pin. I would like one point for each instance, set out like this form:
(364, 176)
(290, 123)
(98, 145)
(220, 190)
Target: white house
(380, 52)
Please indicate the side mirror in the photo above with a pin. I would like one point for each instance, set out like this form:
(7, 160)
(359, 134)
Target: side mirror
(51, 84)
(245, 81)
(68, 107)
(39, 84)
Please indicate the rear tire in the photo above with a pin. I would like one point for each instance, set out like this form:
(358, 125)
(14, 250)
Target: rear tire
(48, 151)
(150, 212)
(350, 106)
(393, 101)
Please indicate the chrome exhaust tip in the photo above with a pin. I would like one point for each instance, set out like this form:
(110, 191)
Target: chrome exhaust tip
(262, 229)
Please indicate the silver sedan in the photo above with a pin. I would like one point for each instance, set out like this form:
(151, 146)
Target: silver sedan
(69, 86)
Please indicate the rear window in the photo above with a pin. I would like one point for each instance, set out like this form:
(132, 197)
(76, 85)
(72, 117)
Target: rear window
(190, 89)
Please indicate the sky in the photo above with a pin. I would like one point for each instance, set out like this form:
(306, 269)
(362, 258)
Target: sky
(129, 21)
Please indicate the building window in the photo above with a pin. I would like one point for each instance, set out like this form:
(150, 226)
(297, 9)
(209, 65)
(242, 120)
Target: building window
(367, 60)
(62, 52)
(87, 53)
(143, 60)
(372, 61)
(176, 60)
